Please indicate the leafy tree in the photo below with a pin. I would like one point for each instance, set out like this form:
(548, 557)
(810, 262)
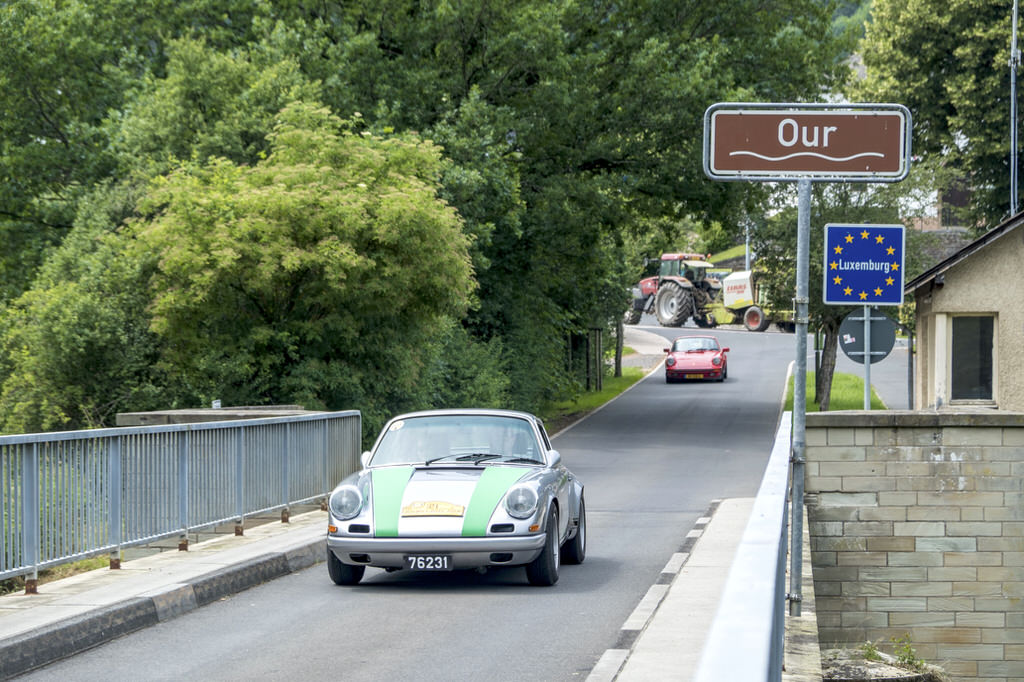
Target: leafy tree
(948, 62)
(75, 349)
(321, 276)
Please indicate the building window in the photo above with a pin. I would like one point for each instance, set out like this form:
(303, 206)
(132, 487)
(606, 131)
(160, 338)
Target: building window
(972, 358)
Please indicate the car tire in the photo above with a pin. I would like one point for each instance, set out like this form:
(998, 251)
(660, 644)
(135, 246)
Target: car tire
(575, 551)
(543, 570)
(341, 573)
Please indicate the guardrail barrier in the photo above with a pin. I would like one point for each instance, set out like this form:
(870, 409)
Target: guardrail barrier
(74, 494)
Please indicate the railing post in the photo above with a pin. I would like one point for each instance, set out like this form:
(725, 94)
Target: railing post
(116, 494)
(30, 515)
(285, 481)
(240, 481)
(183, 441)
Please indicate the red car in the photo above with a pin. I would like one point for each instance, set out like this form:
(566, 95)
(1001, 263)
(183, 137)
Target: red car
(696, 357)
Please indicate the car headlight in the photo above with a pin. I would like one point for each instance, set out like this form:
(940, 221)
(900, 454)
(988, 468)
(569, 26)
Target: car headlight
(717, 361)
(671, 362)
(521, 502)
(346, 502)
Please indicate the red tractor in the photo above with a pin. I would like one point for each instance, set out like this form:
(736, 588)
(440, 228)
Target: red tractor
(680, 290)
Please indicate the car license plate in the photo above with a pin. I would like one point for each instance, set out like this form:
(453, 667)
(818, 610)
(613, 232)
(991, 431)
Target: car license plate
(429, 562)
(693, 376)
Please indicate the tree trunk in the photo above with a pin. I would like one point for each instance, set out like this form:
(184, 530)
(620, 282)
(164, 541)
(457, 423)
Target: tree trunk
(618, 348)
(823, 381)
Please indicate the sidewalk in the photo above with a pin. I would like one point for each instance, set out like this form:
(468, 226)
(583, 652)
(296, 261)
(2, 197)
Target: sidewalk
(77, 613)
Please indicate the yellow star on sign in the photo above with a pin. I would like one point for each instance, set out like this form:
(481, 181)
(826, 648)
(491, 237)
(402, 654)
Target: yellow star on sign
(849, 239)
(891, 250)
(889, 281)
(879, 239)
(895, 266)
(837, 280)
(839, 249)
(864, 234)
(833, 265)
(863, 295)
(878, 291)
(847, 291)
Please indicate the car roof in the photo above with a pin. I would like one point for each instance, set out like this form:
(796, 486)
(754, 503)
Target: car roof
(469, 411)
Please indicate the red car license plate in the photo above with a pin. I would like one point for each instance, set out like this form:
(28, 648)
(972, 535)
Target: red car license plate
(693, 376)
(428, 562)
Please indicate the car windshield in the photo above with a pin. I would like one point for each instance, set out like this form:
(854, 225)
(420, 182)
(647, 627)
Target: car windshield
(694, 344)
(462, 439)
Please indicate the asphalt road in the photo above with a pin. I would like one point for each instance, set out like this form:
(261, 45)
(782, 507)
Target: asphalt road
(652, 462)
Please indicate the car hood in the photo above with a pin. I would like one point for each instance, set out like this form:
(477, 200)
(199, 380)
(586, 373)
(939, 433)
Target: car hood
(439, 501)
(694, 359)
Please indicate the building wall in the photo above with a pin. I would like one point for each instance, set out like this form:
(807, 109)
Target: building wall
(916, 524)
(989, 281)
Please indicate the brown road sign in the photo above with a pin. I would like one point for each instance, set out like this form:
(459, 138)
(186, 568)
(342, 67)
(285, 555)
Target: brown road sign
(868, 142)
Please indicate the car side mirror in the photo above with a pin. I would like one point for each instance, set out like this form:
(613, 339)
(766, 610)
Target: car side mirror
(554, 458)
(667, 350)
(725, 350)
(364, 458)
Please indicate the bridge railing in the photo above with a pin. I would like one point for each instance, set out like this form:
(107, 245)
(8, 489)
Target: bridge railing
(751, 614)
(69, 495)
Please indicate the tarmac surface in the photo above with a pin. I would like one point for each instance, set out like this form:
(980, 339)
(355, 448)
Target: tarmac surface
(662, 639)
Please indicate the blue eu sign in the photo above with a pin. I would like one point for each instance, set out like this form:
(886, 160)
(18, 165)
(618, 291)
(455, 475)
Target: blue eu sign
(864, 264)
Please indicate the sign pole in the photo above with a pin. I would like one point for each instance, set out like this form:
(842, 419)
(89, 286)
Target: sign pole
(867, 357)
(803, 244)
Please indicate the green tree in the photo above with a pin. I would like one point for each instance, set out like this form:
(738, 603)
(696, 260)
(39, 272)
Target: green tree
(322, 275)
(948, 62)
(75, 348)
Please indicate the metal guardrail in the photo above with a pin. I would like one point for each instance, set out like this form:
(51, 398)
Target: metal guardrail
(747, 636)
(69, 495)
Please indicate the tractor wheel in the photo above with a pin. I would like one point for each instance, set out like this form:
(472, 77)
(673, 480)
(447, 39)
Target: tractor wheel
(673, 305)
(754, 319)
(632, 316)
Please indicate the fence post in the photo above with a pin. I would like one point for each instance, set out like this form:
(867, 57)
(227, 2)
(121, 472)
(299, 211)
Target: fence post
(285, 482)
(30, 515)
(183, 444)
(116, 492)
(240, 481)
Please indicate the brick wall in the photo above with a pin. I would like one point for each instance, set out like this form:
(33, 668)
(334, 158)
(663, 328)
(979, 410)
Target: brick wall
(916, 523)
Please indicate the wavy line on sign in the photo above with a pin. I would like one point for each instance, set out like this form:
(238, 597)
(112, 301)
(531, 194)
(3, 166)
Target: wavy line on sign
(820, 156)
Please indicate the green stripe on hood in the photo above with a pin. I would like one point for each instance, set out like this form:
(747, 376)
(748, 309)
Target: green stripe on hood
(388, 488)
(494, 483)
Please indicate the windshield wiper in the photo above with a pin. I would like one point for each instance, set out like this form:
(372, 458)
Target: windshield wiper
(475, 457)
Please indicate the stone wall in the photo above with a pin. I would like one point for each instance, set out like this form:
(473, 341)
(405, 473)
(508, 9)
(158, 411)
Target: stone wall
(917, 528)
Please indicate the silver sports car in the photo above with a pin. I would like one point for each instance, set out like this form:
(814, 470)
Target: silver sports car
(453, 489)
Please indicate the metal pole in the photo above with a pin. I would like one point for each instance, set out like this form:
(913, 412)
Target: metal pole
(800, 395)
(867, 357)
(1014, 60)
(746, 251)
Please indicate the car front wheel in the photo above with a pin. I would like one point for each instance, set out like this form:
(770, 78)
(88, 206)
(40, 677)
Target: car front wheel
(341, 573)
(544, 569)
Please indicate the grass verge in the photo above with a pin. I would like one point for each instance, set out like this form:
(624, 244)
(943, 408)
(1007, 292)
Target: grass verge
(847, 394)
(560, 414)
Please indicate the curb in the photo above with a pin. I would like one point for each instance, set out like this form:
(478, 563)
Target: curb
(613, 660)
(48, 644)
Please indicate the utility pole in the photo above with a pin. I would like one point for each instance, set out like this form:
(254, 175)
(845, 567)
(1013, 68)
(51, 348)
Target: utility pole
(1014, 60)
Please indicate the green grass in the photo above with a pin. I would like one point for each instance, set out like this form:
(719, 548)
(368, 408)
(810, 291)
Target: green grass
(560, 414)
(847, 394)
(734, 252)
